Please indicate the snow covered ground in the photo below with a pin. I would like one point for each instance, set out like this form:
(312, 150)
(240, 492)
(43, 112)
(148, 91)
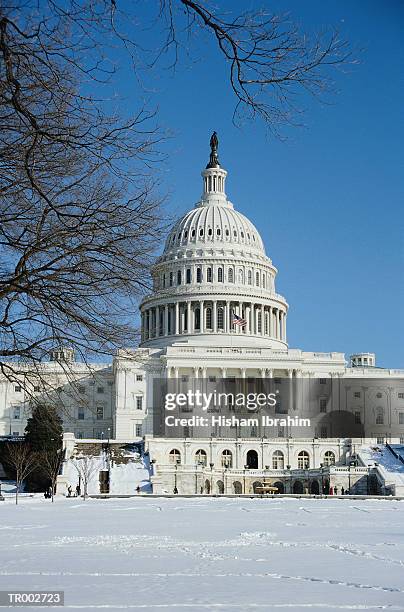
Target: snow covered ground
(207, 553)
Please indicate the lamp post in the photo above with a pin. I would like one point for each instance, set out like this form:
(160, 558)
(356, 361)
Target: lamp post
(290, 478)
(322, 478)
(211, 465)
(175, 477)
(245, 468)
(349, 479)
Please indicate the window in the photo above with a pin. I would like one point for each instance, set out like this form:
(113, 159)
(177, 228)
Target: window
(379, 395)
(379, 418)
(184, 378)
(193, 232)
(171, 279)
(303, 461)
(329, 458)
(323, 404)
(197, 315)
(401, 418)
(357, 418)
(188, 276)
(323, 431)
(139, 402)
(80, 414)
(139, 377)
(278, 460)
(402, 441)
(257, 279)
(17, 389)
(198, 275)
(179, 277)
(208, 318)
(401, 396)
(220, 318)
(79, 435)
(249, 276)
(379, 440)
(100, 389)
(210, 231)
(17, 412)
(230, 275)
(110, 383)
(37, 388)
(212, 379)
(322, 381)
(174, 456)
(259, 330)
(100, 413)
(218, 232)
(164, 281)
(227, 459)
(16, 433)
(201, 457)
(263, 281)
(220, 275)
(138, 430)
(201, 231)
(209, 276)
(357, 394)
(241, 276)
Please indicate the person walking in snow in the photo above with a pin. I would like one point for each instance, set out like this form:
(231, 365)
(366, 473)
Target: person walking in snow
(78, 491)
(69, 491)
(138, 489)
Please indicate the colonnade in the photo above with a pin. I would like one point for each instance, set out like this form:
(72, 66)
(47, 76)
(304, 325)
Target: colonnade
(213, 316)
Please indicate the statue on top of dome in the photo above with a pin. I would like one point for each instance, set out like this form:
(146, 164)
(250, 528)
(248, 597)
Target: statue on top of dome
(214, 145)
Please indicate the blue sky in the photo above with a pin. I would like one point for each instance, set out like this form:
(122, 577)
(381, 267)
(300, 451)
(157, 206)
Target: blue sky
(328, 202)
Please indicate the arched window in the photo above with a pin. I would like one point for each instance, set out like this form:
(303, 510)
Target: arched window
(220, 318)
(201, 231)
(303, 461)
(263, 281)
(266, 324)
(210, 231)
(179, 277)
(208, 318)
(227, 459)
(257, 279)
(188, 276)
(237, 487)
(193, 232)
(164, 280)
(218, 232)
(220, 275)
(199, 275)
(259, 322)
(278, 460)
(171, 279)
(197, 315)
(209, 275)
(252, 460)
(250, 277)
(379, 417)
(201, 457)
(174, 456)
(230, 275)
(329, 458)
(241, 276)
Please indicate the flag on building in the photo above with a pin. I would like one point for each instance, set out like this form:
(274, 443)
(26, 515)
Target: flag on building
(238, 320)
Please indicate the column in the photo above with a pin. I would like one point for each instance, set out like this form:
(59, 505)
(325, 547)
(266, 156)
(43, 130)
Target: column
(189, 320)
(226, 317)
(157, 320)
(262, 320)
(256, 320)
(270, 322)
(177, 317)
(284, 326)
(279, 324)
(166, 320)
(214, 316)
(247, 318)
(202, 316)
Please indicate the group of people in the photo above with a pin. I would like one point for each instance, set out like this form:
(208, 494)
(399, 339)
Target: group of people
(70, 491)
(334, 491)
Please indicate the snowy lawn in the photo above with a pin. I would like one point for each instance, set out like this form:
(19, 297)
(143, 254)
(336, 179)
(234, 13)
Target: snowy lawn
(202, 553)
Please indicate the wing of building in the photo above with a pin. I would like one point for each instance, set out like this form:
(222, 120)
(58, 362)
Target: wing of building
(214, 313)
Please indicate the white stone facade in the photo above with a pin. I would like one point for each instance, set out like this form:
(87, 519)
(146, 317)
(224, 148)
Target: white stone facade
(213, 269)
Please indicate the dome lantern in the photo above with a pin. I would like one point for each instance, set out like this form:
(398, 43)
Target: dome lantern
(214, 177)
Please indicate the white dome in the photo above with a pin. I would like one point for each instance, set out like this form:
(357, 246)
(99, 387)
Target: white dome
(217, 224)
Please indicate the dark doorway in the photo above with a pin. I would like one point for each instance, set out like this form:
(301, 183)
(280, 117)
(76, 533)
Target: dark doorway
(238, 488)
(314, 487)
(252, 460)
(279, 486)
(297, 487)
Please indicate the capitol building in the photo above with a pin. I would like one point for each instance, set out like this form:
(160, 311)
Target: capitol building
(214, 313)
